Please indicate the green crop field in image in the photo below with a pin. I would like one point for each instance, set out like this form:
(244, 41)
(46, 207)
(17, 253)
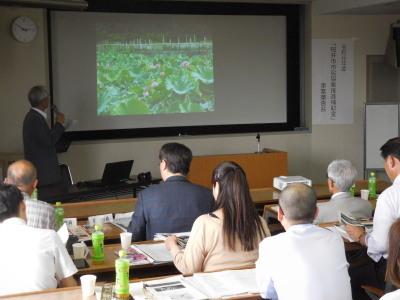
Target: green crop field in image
(142, 78)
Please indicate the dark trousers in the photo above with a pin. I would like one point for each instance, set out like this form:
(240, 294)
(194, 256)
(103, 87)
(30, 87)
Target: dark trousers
(364, 271)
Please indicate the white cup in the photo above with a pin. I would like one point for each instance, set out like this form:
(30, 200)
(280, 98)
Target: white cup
(88, 284)
(364, 194)
(80, 250)
(126, 238)
(99, 221)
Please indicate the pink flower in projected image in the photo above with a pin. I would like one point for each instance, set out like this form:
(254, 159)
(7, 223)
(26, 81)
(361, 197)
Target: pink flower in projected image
(154, 84)
(146, 94)
(185, 64)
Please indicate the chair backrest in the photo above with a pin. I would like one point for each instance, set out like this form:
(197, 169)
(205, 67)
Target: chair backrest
(66, 175)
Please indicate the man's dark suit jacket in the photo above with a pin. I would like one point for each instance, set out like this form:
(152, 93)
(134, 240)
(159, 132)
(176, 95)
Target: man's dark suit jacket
(171, 206)
(39, 147)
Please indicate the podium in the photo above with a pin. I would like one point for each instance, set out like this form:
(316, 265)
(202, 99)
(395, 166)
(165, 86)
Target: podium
(260, 168)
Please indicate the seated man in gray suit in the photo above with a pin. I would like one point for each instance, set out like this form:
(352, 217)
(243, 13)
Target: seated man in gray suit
(341, 175)
(173, 205)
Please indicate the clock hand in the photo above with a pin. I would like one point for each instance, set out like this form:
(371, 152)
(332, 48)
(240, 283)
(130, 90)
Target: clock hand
(24, 29)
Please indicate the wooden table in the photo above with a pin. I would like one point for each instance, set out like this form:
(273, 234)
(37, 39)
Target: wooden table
(75, 293)
(136, 271)
(266, 196)
(111, 233)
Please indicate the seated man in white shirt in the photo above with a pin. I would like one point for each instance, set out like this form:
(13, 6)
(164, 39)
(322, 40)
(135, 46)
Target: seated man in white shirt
(341, 175)
(39, 214)
(31, 259)
(387, 211)
(306, 262)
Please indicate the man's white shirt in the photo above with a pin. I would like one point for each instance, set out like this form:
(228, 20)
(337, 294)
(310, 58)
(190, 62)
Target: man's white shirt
(44, 115)
(387, 211)
(305, 263)
(31, 259)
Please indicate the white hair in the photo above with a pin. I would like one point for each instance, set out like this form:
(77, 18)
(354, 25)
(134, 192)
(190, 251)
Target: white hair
(342, 173)
(37, 94)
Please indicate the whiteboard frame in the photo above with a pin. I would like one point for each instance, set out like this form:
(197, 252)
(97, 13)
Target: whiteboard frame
(368, 166)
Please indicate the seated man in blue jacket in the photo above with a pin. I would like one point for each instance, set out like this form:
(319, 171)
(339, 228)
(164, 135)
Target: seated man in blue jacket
(173, 205)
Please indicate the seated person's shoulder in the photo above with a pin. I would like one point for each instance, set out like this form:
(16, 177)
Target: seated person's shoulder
(39, 203)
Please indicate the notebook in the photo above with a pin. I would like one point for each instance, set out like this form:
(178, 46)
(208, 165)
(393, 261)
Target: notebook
(114, 173)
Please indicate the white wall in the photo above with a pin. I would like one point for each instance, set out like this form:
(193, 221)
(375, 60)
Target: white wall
(309, 153)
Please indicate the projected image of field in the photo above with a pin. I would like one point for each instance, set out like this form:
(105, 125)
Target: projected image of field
(155, 77)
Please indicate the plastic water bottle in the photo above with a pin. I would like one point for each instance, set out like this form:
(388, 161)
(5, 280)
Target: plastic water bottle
(122, 276)
(352, 190)
(97, 245)
(372, 185)
(34, 194)
(59, 215)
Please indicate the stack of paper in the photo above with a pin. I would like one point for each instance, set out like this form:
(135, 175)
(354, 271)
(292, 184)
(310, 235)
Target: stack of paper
(225, 283)
(182, 237)
(345, 219)
(156, 253)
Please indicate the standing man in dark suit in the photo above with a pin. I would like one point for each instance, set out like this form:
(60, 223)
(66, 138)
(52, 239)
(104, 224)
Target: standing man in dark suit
(173, 205)
(40, 141)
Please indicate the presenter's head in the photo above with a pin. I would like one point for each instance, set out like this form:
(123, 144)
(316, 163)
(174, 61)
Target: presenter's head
(11, 202)
(297, 205)
(390, 151)
(234, 205)
(22, 174)
(175, 160)
(39, 97)
(341, 174)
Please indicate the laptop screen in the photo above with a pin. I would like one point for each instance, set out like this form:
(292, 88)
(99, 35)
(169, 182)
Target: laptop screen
(116, 172)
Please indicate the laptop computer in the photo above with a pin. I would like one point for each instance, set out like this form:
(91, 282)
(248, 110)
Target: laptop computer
(114, 173)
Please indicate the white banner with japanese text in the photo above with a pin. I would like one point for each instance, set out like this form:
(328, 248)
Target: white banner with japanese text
(332, 81)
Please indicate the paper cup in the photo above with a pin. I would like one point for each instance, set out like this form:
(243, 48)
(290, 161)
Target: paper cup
(99, 221)
(88, 284)
(80, 250)
(364, 194)
(126, 238)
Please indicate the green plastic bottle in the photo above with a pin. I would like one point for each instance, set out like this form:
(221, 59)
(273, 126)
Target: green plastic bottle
(352, 190)
(34, 195)
(59, 215)
(97, 245)
(122, 276)
(372, 185)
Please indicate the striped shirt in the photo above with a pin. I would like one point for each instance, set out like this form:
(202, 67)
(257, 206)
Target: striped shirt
(39, 214)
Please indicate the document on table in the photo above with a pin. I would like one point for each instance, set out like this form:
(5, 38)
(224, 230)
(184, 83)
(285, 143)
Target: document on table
(224, 283)
(199, 286)
(156, 253)
(340, 229)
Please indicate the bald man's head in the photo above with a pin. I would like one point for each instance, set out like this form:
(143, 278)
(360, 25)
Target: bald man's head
(22, 173)
(298, 203)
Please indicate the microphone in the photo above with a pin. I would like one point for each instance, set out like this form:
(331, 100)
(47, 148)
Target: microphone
(258, 137)
(55, 109)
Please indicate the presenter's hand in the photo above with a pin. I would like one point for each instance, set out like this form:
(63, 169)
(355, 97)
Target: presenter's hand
(356, 233)
(171, 242)
(60, 118)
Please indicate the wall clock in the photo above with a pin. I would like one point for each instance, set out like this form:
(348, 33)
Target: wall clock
(24, 29)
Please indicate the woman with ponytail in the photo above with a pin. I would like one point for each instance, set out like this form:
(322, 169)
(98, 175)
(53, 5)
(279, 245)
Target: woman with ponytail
(228, 238)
